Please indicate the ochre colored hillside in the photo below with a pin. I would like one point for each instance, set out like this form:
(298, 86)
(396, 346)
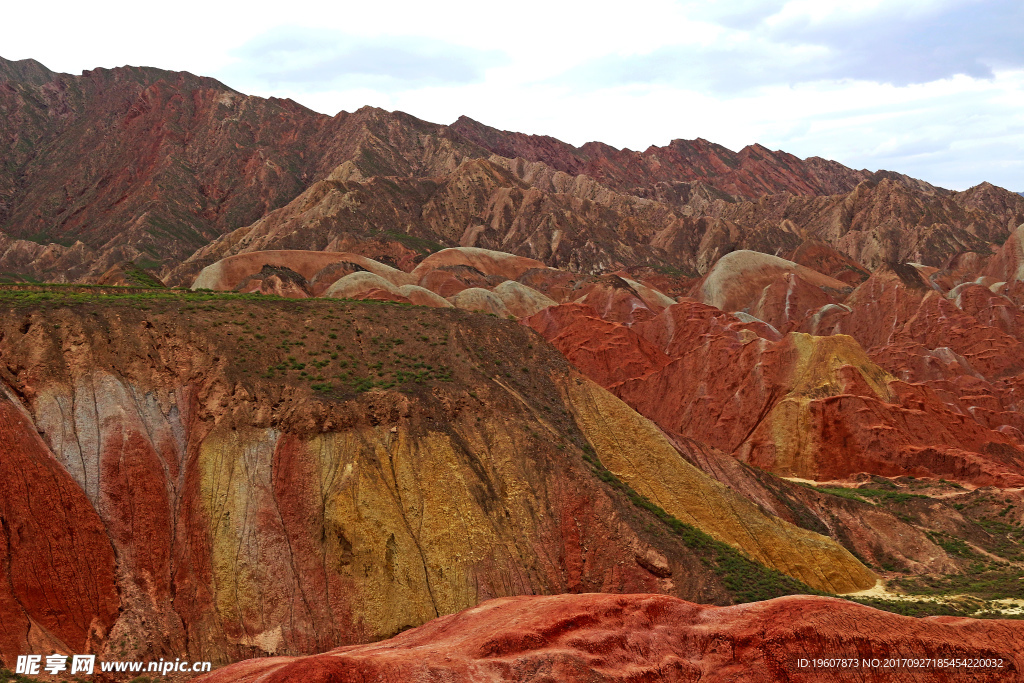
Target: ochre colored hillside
(247, 475)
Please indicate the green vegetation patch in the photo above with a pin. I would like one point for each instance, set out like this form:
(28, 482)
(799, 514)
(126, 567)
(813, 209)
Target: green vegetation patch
(384, 361)
(137, 275)
(1007, 539)
(952, 545)
(986, 581)
(666, 269)
(876, 496)
(932, 608)
(745, 579)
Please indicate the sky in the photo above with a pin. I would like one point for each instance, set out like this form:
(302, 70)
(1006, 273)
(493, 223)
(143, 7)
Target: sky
(930, 88)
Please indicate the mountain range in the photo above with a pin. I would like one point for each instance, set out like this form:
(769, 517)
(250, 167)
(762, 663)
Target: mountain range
(171, 171)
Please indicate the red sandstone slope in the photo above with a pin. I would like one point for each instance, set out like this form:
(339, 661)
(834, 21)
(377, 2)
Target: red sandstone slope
(819, 407)
(589, 638)
(57, 567)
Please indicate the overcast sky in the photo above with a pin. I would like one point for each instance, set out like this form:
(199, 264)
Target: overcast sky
(932, 88)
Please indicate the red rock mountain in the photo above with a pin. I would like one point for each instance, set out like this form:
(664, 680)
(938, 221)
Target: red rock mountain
(144, 164)
(660, 172)
(819, 383)
(138, 164)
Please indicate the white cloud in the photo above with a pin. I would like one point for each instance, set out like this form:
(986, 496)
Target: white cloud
(900, 42)
(314, 60)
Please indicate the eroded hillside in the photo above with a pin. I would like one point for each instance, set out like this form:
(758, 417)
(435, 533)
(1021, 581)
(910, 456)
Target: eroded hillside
(245, 475)
(170, 172)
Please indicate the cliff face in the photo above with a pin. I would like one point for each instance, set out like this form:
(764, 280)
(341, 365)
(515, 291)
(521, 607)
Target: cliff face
(623, 638)
(244, 477)
(58, 569)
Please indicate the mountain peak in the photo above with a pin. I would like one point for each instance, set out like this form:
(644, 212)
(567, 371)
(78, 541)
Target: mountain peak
(148, 75)
(25, 71)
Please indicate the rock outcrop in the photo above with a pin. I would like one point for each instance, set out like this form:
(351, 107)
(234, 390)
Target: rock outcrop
(634, 450)
(1008, 263)
(320, 267)
(520, 300)
(484, 261)
(469, 278)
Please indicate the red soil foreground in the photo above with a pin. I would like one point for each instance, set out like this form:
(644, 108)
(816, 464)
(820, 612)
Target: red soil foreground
(600, 637)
